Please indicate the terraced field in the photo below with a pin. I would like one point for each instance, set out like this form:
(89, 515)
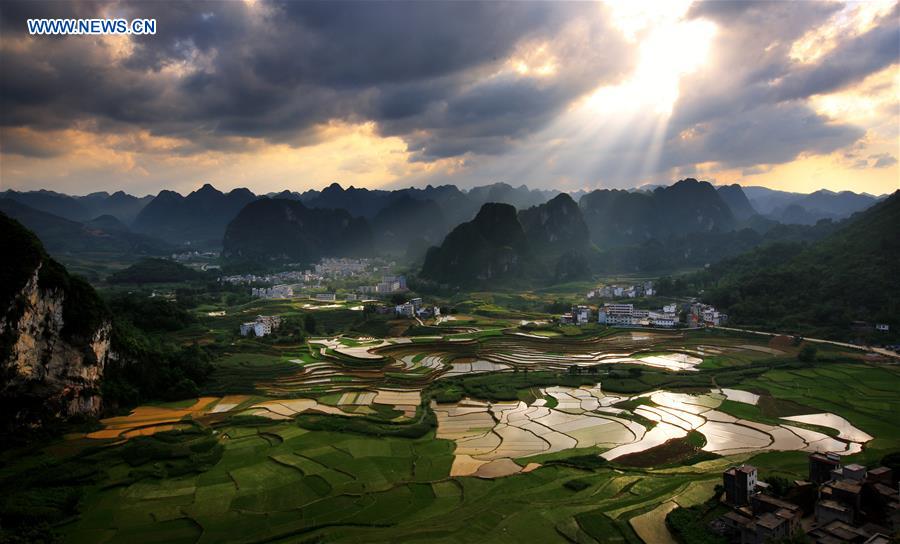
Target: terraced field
(328, 365)
(500, 438)
(489, 434)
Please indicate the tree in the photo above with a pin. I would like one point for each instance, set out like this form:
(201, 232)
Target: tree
(309, 323)
(892, 461)
(779, 485)
(807, 353)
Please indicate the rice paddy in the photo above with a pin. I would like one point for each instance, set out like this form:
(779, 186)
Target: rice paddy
(491, 431)
(499, 467)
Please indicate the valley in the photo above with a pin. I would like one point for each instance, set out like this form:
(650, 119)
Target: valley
(442, 436)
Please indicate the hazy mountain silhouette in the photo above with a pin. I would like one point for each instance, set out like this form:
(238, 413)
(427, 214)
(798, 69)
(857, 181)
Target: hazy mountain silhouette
(198, 218)
(278, 230)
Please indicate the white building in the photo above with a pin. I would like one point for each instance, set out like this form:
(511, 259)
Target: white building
(405, 310)
(277, 291)
(399, 280)
(711, 316)
(616, 314)
(662, 319)
(326, 297)
(626, 315)
(581, 315)
(262, 326)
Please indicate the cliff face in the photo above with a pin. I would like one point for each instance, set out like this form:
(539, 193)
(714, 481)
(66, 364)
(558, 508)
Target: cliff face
(54, 337)
(42, 364)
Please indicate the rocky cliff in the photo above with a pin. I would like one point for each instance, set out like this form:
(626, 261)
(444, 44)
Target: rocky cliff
(54, 336)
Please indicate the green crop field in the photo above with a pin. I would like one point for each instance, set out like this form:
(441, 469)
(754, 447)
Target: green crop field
(379, 473)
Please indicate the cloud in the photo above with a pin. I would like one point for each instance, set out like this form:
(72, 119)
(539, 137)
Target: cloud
(427, 70)
(883, 160)
(472, 91)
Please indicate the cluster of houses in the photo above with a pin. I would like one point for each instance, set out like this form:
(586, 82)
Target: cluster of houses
(644, 289)
(387, 286)
(626, 315)
(333, 297)
(276, 291)
(263, 325)
(343, 267)
(580, 315)
(704, 314)
(416, 308)
(289, 276)
(836, 505)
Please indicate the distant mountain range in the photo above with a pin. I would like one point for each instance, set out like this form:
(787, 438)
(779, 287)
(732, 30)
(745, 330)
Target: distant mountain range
(807, 209)
(61, 236)
(120, 205)
(617, 218)
(273, 230)
(690, 223)
(198, 218)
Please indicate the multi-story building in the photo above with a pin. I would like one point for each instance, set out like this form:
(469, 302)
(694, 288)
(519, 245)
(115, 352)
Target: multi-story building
(616, 314)
(740, 482)
(663, 319)
(768, 527)
(263, 325)
(821, 465)
(277, 291)
(581, 315)
(399, 280)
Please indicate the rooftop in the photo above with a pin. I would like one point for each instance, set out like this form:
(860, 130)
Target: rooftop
(832, 505)
(769, 521)
(847, 485)
(762, 497)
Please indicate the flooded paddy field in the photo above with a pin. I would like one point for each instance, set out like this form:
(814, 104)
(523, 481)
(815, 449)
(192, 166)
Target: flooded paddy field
(447, 440)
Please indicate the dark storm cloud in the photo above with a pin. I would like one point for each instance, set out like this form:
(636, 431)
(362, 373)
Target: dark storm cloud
(275, 70)
(432, 73)
(851, 62)
(748, 106)
(766, 135)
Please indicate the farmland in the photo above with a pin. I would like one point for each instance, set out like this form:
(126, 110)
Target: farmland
(490, 433)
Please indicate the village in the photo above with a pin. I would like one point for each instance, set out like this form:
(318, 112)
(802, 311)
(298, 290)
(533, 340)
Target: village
(836, 504)
(690, 314)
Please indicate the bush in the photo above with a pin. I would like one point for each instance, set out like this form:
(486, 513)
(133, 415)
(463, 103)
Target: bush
(370, 426)
(584, 462)
(807, 353)
(576, 485)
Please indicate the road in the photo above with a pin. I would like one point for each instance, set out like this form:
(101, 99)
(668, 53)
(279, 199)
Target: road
(880, 351)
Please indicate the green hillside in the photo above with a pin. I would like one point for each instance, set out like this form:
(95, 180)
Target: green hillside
(850, 275)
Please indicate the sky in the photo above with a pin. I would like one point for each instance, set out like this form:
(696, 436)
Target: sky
(268, 95)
